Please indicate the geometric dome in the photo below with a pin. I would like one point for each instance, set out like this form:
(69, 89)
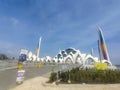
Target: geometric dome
(71, 55)
(66, 52)
(70, 50)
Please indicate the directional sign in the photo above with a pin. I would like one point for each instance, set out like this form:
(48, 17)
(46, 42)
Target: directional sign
(23, 55)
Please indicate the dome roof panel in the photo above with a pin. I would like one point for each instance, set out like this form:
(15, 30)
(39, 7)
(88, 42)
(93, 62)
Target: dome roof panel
(70, 50)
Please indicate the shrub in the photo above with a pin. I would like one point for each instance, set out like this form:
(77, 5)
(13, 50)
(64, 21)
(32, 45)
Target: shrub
(88, 76)
(53, 77)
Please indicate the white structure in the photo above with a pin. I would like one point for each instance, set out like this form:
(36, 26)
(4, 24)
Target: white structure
(69, 55)
(46, 59)
(72, 55)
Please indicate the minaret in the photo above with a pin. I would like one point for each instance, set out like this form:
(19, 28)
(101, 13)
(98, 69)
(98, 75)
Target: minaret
(92, 52)
(38, 48)
(102, 46)
(99, 51)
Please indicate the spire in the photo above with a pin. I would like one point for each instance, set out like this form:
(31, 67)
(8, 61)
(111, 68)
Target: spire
(38, 47)
(99, 51)
(92, 52)
(102, 46)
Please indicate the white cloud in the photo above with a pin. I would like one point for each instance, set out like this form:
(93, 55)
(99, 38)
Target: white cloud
(14, 21)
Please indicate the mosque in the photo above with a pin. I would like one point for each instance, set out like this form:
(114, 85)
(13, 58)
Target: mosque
(74, 56)
(71, 55)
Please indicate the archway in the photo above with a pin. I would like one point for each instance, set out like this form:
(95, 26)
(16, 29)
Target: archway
(68, 60)
(90, 61)
(78, 60)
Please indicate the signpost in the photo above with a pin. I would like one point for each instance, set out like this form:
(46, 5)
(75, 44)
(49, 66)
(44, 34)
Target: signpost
(21, 71)
(20, 76)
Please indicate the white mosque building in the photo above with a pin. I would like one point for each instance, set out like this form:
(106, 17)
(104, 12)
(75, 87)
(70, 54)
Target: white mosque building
(69, 55)
(74, 56)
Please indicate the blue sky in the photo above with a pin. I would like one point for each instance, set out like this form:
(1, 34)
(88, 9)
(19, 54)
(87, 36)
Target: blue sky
(61, 23)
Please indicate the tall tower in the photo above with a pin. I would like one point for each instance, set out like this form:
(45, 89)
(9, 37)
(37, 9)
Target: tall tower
(92, 52)
(99, 51)
(102, 46)
(38, 48)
